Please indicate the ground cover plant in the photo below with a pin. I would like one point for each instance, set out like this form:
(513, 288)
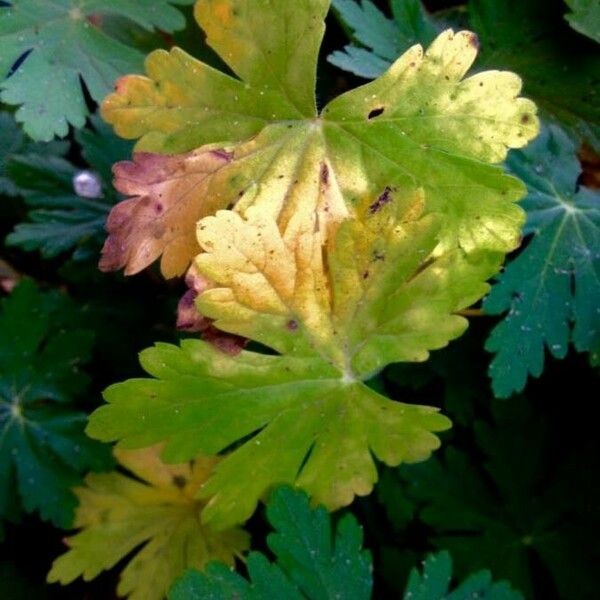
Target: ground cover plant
(299, 300)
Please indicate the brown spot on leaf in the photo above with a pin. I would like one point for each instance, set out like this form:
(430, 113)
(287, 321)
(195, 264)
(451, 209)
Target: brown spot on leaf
(473, 40)
(324, 175)
(292, 325)
(381, 201)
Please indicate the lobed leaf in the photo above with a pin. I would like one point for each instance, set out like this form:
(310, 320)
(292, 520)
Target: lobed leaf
(43, 449)
(157, 511)
(48, 47)
(314, 559)
(421, 125)
(551, 289)
(381, 296)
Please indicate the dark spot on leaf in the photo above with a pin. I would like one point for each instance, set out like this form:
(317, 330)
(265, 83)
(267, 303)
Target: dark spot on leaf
(324, 175)
(179, 481)
(525, 119)
(292, 325)
(383, 199)
(365, 275)
(376, 112)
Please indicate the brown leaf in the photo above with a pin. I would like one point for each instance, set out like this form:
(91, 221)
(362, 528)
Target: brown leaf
(169, 194)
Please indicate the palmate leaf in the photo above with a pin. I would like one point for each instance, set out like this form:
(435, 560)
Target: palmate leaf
(314, 559)
(43, 449)
(552, 289)
(585, 17)
(317, 561)
(558, 69)
(117, 514)
(59, 43)
(382, 296)
(260, 141)
(381, 39)
(65, 217)
(515, 512)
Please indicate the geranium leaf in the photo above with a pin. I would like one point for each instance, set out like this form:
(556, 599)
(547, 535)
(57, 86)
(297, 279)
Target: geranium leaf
(434, 583)
(43, 449)
(118, 513)
(381, 39)
(551, 289)
(420, 125)
(55, 44)
(314, 559)
(383, 295)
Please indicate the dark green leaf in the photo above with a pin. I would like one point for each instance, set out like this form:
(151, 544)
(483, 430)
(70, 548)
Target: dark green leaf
(314, 560)
(43, 449)
(555, 280)
(434, 583)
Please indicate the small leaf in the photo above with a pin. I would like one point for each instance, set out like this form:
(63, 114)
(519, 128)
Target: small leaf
(551, 289)
(43, 449)
(314, 559)
(157, 511)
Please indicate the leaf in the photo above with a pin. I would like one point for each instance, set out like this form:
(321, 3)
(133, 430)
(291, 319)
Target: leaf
(558, 72)
(70, 204)
(43, 448)
(258, 141)
(530, 38)
(13, 142)
(381, 39)
(515, 512)
(157, 512)
(585, 17)
(314, 559)
(48, 47)
(434, 583)
(551, 289)
(382, 295)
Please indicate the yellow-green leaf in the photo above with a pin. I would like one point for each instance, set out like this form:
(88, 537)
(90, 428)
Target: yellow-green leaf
(421, 125)
(336, 307)
(157, 511)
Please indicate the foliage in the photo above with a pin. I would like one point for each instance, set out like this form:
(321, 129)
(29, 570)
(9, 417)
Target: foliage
(43, 449)
(555, 280)
(118, 513)
(70, 205)
(316, 560)
(42, 69)
(322, 241)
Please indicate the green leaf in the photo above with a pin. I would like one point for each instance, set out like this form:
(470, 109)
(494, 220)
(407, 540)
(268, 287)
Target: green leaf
(13, 143)
(552, 288)
(43, 449)
(63, 218)
(59, 43)
(155, 513)
(381, 39)
(314, 559)
(515, 512)
(585, 17)
(434, 583)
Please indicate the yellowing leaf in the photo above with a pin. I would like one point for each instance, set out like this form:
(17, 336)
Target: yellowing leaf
(118, 514)
(420, 125)
(336, 306)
